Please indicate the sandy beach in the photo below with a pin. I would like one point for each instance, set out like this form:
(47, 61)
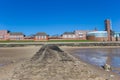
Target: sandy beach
(12, 57)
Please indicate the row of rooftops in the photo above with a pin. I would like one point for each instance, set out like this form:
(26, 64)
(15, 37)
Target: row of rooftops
(41, 34)
(68, 33)
(82, 31)
(37, 34)
(44, 34)
(16, 33)
(20, 33)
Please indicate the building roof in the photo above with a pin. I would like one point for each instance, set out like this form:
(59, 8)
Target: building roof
(41, 34)
(16, 33)
(68, 33)
(82, 30)
(98, 33)
(3, 32)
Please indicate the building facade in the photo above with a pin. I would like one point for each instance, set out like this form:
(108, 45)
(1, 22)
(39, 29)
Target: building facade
(41, 36)
(68, 35)
(16, 36)
(97, 36)
(107, 35)
(77, 35)
(4, 35)
(117, 36)
(81, 35)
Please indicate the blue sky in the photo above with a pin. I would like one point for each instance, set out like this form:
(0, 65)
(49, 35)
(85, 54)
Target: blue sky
(58, 16)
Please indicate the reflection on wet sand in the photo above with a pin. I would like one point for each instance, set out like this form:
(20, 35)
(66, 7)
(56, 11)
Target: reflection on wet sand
(100, 56)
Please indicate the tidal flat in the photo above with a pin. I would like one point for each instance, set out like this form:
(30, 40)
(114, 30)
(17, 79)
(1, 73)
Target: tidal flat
(11, 59)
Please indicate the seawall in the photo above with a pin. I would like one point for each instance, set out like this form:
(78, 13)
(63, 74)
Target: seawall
(79, 44)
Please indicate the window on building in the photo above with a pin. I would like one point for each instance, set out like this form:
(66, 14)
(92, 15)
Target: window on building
(69, 36)
(45, 37)
(80, 33)
(65, 36)
(73, 36)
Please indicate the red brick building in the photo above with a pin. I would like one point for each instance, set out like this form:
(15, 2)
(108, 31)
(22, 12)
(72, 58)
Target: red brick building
(16, 36)
(80, 34)
(108, 29)
(68, 35)
(29, 38)
(4, 35)
(77, 35)
(41, 36)
(97, 36)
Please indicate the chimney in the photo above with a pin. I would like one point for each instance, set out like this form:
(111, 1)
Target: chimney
(107, 28)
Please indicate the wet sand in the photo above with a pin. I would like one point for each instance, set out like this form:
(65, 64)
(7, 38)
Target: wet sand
(10, 57)
(98, 69)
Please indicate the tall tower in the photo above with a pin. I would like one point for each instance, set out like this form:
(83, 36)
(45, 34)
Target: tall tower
(108, 29)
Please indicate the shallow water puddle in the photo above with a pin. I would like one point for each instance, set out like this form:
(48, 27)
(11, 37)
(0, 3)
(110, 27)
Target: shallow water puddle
(100, 57)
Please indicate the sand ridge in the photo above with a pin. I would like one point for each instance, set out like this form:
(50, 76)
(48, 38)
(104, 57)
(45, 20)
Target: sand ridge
(52, 63)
